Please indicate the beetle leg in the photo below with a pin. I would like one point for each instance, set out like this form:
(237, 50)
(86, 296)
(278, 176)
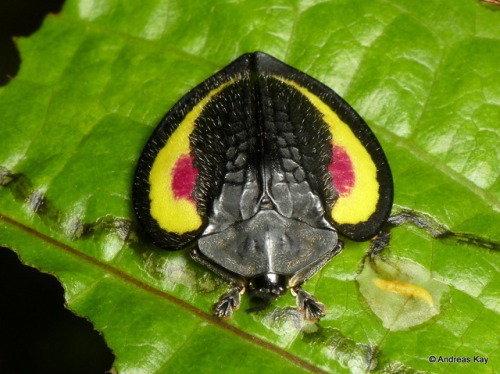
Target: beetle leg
(308, 304)
(228, 303)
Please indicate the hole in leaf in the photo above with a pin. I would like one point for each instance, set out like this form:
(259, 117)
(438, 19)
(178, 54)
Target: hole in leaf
(37, 333)
(20, 18)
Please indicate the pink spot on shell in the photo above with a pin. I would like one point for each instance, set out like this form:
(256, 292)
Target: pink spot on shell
(184, 177)
(342, 171)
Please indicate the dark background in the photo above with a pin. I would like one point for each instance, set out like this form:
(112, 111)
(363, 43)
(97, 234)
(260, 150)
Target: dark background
(20, 18)
(38, 334)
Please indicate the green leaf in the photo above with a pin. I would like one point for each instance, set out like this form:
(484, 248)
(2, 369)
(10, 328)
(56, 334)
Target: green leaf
(97, 78)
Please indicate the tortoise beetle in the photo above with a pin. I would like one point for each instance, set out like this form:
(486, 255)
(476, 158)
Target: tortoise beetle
(258, 169)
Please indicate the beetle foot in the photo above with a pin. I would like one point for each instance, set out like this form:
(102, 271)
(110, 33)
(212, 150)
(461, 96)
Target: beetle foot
(308, 304)
(228, 303)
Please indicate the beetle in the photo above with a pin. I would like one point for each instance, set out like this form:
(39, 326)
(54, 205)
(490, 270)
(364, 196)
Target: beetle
(258, 170)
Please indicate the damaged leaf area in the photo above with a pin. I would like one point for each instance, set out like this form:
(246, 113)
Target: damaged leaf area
(401, 293)
(97, 78)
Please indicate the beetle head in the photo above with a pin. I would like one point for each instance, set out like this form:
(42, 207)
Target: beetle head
(268, 286)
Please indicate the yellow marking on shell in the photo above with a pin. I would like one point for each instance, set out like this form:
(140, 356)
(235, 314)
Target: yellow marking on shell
(179, 216)
(361, 202)
(406, 289)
